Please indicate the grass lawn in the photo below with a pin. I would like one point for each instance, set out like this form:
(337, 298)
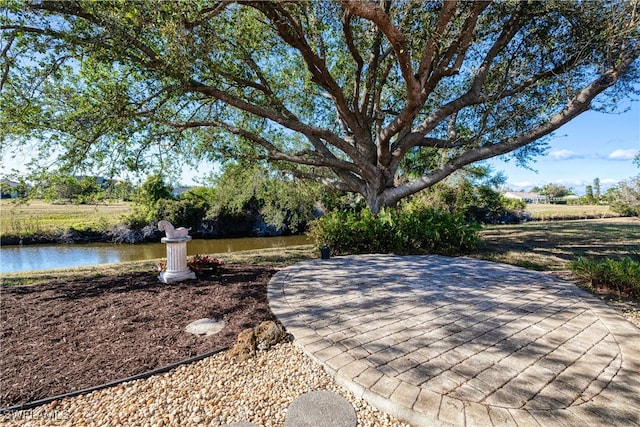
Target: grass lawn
(551, 245)
(38, 217)
(543, 211)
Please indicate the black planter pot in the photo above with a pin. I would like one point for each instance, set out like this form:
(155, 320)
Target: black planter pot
(325, 252)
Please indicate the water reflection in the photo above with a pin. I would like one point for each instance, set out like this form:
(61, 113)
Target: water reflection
(43, 257)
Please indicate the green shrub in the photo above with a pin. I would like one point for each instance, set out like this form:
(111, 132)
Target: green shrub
(184, 212)
(624, 199)
(281, 201)
(155, 202)
(622, 275)
(513, 204)
(477, 203)
(412, 229)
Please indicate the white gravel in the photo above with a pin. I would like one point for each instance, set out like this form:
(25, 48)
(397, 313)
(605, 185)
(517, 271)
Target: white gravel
(214, 392)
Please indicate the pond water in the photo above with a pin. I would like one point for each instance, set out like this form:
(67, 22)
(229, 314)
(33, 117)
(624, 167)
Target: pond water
(44, 257)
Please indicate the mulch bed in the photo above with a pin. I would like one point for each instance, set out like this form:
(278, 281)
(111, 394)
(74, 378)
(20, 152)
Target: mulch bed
(68, 336)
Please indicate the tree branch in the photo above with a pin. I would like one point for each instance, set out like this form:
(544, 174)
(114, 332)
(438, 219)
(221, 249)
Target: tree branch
(309, 131)
(377, 15)
(383, 21)
(472, 96)
(462, 43)
(578, 105)
(274, 152)
(7, 64)
(74, 10)
(268, 91)
(431, 46)
(207, 13)
(292, 33)
(348, 36)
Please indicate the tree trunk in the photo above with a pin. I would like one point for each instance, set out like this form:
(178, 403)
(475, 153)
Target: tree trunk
(374, 201)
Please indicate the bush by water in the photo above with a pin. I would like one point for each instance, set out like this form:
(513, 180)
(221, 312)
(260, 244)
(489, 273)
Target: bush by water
(412, 229)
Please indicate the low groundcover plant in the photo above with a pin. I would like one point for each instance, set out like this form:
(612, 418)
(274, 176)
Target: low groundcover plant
(197, 264)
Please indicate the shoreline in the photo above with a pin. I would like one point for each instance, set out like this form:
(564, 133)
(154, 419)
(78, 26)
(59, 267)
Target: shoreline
(275, 257)
(133, 237)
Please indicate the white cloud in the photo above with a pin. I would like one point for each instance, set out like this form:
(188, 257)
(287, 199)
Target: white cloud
(522, 184)
(609, 181)
(564, 155)
(620, 154)
(569, 182)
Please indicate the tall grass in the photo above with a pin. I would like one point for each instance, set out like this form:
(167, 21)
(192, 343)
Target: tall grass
(42, 218)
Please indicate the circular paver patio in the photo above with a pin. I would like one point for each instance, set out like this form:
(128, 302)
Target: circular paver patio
(458, 341)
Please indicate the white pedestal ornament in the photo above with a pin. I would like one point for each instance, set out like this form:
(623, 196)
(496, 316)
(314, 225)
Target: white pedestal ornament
(176, 241)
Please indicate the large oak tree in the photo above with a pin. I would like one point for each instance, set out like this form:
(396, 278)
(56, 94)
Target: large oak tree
(381, 98)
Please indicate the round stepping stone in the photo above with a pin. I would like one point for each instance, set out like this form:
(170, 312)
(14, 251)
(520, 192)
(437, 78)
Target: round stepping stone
(205, 326)
(320, 409)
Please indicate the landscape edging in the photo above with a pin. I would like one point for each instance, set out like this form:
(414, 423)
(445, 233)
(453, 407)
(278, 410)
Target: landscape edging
(143, 375)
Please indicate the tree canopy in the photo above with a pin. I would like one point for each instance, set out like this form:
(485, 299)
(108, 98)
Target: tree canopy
(553, 190)
(353, 94)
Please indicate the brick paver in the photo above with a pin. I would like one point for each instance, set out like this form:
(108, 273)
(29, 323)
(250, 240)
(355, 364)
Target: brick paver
(457, 341)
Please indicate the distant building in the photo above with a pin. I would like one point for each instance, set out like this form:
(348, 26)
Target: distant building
(177, 191)
(102, 182)
(10, 189)
(526, 197)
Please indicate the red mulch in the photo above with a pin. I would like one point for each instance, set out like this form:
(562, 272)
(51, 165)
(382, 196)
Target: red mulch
(67, 336)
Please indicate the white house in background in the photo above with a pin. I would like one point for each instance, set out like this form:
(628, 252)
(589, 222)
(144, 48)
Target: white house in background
(526, 197)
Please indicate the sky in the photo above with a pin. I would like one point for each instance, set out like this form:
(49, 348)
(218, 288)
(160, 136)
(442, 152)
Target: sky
(593, 145)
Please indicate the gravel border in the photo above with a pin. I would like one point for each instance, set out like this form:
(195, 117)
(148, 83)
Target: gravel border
(214, 391)
(143, 375)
